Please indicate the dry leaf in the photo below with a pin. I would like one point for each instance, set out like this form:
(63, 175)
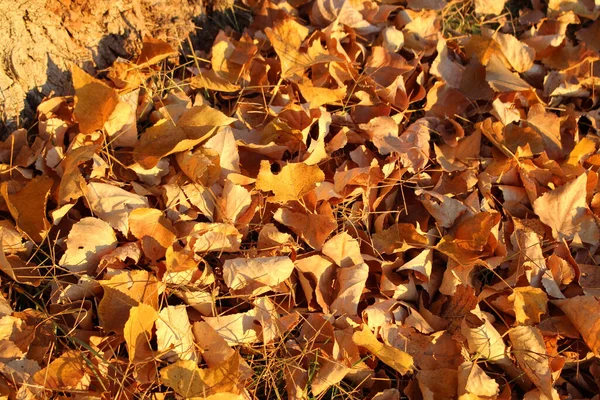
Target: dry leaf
(351, 281)
(94, 101)
(153, 229)
(89, 240)
(189, 381)
(343, 249)
(28, 206)
(138, 332)
(124, 291)
(529, 304)
(174, 337)
(291, 183)
(256, 275)
(393, 357)
(530, 352)
(580, 311)
(565, 211)
(195, 126)
(67, 372)
(113, 204)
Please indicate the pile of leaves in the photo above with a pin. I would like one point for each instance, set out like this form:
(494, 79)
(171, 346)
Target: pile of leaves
(344, 199)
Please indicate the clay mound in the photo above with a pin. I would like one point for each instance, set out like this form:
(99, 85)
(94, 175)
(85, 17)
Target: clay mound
(42, 37)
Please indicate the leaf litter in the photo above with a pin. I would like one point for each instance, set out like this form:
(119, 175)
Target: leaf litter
(343, 199)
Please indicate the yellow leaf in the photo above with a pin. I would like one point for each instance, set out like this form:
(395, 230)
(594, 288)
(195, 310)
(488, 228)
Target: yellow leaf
(94, 101)
(294, 181)
(138, 332)
(154, 51)
(286, 37)
(393, 357)
(195, 126)
(529, 304)
(317, 96)
(154, 230)
(189, 381)
(69, 371)
(123, 292)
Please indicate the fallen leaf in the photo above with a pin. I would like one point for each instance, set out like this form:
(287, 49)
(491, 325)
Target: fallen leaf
(124, 291)
(174, 337)
(398, 238)
(154, 51)
(89, 240)
(94, 101)
(565, 210)
(351, 281)
(189, 381)
(343, 249)
(195, 126)
(113, 204)
(138, 332)
(153, 229)
(67, 372)
(28, 206)
(474, 382)
(393, 357)
(580, 311)
(529, 304)
(256, 276)
(530, 352)
(291, 183)
(313, 228)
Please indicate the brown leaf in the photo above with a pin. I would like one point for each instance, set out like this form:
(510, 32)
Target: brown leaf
(28, 206)
(67, 372)
(287, 36)
(398, 238)
(313, 228)
(565, 210)
(154, 51)
(581, 311)
(530, 352)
